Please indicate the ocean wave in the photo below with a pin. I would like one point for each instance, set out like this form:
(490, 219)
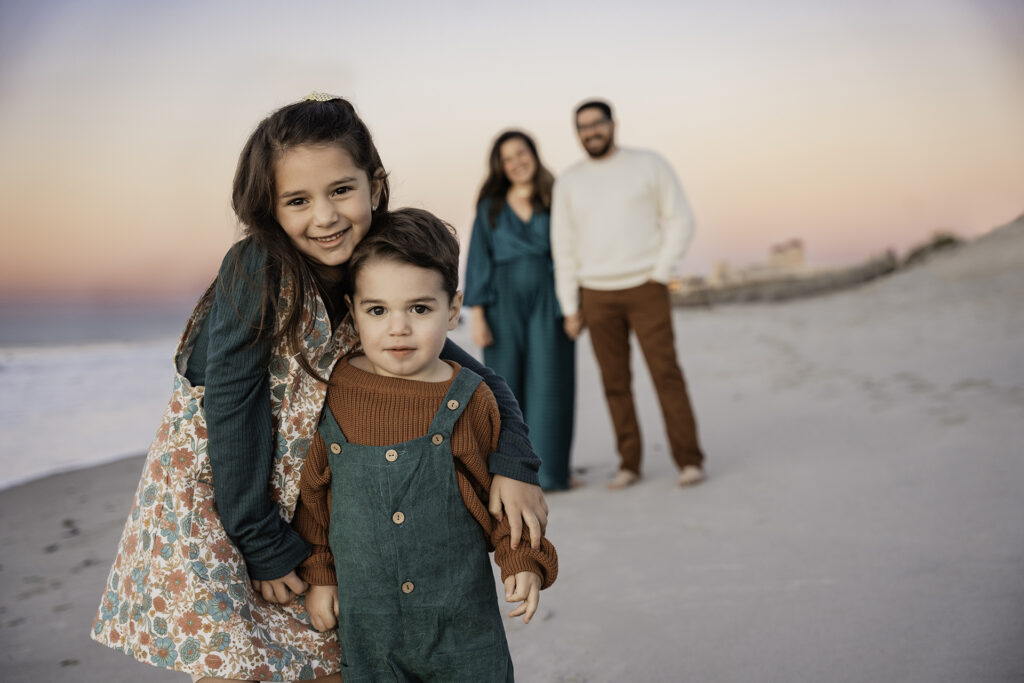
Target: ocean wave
(76, 406)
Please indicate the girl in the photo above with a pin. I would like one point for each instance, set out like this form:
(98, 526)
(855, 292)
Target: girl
(510, 290)
(221, 479)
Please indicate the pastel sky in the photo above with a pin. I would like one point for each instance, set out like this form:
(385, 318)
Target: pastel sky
(857, 126)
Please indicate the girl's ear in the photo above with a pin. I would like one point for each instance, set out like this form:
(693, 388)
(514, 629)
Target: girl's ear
(376, 186)
(453, 311)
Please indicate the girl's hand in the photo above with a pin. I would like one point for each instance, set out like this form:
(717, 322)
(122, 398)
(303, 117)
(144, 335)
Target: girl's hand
(479, 329)
(524, 503)
(322, 605)
(524, 588)
(281, 590)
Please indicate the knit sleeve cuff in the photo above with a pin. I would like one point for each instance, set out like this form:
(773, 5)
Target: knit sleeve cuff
(290, 553)
(513, 467)
(318, 569)
(662, 274)
(543, 562)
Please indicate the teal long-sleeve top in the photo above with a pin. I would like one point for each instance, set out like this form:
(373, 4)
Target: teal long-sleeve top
(509, 239)
(230, 358)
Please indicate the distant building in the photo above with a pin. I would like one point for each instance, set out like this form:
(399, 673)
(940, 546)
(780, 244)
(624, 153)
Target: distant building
(787, 256)
(785, 259)
(721, 274)
(685, 284)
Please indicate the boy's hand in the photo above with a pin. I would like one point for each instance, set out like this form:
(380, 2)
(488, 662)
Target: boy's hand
(522, 502)
(281, 590)
(524, 587)
(322, 605)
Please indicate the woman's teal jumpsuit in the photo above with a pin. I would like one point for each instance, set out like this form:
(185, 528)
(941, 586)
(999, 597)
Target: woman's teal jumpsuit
(509, 272)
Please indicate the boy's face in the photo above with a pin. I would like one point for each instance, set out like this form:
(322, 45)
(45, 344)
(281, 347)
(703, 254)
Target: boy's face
(403, 316)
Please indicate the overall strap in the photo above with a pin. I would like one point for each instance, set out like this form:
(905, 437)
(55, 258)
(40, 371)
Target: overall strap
(329, 429)
(455, 401)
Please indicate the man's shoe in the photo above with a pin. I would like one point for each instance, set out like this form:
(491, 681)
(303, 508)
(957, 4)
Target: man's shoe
(623, 479)
(690, 475)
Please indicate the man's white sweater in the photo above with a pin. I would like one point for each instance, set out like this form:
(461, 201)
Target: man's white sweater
(616, 223)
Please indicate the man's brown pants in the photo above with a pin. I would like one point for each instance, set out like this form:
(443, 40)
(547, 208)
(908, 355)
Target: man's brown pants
(645, 309)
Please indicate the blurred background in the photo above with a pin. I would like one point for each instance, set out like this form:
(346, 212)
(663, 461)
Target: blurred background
(854, 126)
(861, 521)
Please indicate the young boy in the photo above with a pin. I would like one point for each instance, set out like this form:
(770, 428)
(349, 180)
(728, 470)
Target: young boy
(394, 490)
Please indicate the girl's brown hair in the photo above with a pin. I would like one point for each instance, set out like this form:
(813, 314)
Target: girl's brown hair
(309, 122)
(496, 184)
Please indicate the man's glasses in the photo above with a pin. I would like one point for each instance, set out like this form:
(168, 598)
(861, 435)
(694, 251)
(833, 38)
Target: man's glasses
(600, 123)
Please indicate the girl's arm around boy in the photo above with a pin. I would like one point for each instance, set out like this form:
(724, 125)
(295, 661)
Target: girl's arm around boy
(513, 461)
(525, 570)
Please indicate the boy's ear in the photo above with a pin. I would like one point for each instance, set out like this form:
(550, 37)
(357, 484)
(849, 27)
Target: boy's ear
(351, 310)
(453, 311)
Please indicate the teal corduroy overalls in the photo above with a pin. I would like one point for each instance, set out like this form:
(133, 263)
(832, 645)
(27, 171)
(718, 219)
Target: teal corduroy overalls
(416, 591)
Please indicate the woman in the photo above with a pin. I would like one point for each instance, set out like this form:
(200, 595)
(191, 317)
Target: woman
(510, 290)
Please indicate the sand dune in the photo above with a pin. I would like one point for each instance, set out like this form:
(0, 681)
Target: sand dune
(861, 522)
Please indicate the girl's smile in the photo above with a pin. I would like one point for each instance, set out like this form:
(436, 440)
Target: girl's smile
(331, 240)
(323, 202)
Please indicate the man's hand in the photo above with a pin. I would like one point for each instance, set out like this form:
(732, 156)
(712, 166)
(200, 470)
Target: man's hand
(524, 503)
(322, 605)
(479, 330)
(573, 324)
(523, 588)
(281, 590)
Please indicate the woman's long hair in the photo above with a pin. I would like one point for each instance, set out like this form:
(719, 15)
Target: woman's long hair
(496, 184)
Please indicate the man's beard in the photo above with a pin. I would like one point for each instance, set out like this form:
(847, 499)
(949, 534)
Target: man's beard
(596, 153)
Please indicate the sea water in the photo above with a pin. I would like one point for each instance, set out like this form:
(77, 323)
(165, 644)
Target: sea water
(87, 383)
(82, 383)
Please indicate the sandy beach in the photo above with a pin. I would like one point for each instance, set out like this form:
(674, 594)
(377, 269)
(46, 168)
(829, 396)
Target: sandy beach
(861, 520)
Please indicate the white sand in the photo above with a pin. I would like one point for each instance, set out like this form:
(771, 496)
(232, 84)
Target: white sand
(862, 520)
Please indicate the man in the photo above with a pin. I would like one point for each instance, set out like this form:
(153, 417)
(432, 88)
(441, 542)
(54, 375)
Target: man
(619, 223)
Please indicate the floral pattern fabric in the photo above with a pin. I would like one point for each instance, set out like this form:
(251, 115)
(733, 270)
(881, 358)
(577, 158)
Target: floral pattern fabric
(178, 595)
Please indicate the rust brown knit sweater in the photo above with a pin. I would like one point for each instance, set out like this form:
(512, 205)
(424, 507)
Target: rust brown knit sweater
(375, 410)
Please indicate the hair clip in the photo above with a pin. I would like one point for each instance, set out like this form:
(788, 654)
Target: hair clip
(320, 97)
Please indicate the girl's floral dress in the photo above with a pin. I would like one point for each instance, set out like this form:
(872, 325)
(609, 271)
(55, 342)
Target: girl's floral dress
(178, 595)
